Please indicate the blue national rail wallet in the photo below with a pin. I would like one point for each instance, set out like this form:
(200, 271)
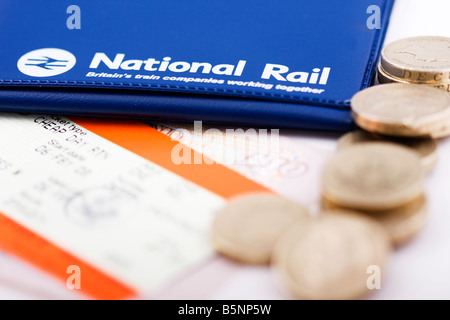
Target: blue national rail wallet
(264, 63)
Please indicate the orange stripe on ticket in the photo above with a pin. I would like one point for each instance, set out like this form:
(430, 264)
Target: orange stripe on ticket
(25, 244)
(150, 144)
(157, 147)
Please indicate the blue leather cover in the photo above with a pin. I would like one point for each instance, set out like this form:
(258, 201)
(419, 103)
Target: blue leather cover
(271, 63)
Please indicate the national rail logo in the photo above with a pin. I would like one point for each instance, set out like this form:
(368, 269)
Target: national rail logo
(46, 62)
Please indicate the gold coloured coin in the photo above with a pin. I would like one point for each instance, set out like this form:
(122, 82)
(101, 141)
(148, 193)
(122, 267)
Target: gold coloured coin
(327, 258)
(424, 59)
(426, 148)
(396, 109)
(373, 176)
(247, 227)
(401, 223)
(383, 78)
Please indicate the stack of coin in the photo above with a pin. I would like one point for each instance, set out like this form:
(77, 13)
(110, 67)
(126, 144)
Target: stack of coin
(378, 171)
(419, 60)
(382, 180)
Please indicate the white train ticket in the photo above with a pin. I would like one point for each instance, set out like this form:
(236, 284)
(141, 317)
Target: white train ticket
(105, 199)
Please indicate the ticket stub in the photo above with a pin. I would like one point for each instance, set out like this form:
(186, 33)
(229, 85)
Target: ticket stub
(105, 196)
